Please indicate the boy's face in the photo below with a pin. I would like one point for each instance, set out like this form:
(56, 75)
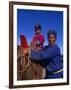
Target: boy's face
(51, 39)
(37, 31)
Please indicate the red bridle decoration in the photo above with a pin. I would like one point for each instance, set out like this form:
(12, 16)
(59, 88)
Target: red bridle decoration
(23, 41)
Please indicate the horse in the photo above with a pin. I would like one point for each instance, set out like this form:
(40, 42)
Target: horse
(26, 69)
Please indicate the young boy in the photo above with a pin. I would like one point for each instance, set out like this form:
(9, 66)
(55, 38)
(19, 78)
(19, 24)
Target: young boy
(38, 39)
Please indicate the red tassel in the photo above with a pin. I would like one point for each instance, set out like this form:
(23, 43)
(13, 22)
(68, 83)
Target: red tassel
(24, 41)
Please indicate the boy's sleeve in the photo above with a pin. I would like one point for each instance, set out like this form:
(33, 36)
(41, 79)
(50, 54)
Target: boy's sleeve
(42, 39)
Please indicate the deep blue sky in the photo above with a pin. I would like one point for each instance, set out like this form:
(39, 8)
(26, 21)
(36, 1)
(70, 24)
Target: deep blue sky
(26, 19)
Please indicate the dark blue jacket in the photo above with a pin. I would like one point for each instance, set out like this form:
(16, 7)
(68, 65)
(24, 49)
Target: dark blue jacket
(50, 58)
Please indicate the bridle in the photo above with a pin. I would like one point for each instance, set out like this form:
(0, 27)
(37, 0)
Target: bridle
(24, 62)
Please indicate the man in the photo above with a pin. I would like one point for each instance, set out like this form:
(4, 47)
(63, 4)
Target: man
(50, 57)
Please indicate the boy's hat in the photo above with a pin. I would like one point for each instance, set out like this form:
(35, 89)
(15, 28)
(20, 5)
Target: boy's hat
(37, 26)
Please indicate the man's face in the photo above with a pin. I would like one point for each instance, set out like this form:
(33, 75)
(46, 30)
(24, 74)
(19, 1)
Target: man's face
(51, 39)
(37, 31)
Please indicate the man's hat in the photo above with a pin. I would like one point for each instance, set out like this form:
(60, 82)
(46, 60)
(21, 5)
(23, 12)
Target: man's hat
(37, 26)
(52, 32)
